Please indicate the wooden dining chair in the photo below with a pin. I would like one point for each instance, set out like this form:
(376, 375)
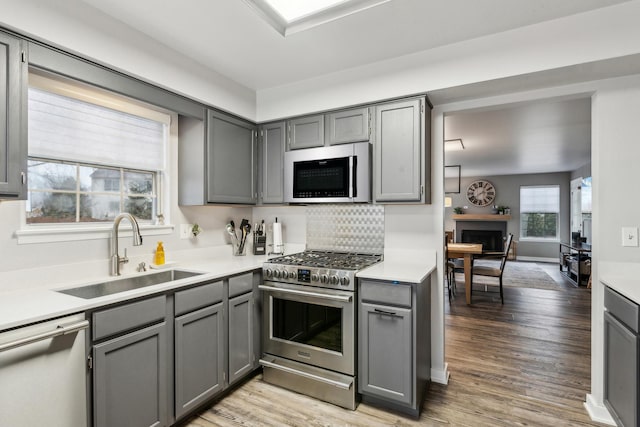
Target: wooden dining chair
(492, 271)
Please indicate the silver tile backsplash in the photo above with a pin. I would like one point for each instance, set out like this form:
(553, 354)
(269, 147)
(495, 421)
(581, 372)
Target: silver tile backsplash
(346, 228)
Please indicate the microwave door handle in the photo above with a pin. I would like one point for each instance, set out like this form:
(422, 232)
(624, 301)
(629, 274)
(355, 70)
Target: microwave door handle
(353, 177)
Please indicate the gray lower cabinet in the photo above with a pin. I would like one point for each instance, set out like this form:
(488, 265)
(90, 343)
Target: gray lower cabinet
(157, 359)
(199, 357)
(241, 336)
(348, 126)
(130, 379)
(306, 132)
(621, 358)
(386, 370)
(272, 147)
(402, 167)
(394, 343)
(13, 117)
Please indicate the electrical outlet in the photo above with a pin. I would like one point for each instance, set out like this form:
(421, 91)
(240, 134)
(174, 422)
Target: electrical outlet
(185, 231)
(629, 236)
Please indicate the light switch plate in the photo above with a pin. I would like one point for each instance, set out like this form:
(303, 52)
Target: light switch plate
(185, 231)
(629, 236)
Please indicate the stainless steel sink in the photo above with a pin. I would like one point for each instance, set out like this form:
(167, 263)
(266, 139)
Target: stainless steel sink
(127, 284)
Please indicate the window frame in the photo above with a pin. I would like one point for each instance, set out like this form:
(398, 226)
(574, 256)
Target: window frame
(523, 214)
(76, 231)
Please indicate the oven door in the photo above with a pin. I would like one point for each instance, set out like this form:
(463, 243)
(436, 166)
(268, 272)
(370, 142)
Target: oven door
(310, 325)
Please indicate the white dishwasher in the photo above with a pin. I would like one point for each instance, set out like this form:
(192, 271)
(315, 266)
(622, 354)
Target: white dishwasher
(43, 374)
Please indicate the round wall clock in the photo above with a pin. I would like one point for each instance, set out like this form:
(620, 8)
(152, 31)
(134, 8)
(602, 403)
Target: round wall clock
(481, 193)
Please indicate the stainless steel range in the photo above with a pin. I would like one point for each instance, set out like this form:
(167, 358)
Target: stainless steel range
(309, 336)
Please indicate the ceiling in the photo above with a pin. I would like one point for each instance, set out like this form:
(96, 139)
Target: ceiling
(230, 38)
(535, 137)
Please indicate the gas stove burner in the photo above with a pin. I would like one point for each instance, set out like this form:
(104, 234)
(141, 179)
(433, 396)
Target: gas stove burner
(334, 260)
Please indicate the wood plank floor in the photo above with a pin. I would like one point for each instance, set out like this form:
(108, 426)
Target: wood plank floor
(526, 363)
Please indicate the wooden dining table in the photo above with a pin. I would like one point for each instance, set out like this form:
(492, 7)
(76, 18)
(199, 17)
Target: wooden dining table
(466, 251)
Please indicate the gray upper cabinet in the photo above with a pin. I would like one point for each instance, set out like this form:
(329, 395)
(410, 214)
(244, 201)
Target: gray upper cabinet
(402, 152)
(13, 118)
(231, 160)
(306, 132)
(272, 147)
(348, 126)
(217, 160)
(130, 379)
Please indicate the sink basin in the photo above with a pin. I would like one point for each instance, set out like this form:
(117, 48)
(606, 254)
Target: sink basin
(127, 284)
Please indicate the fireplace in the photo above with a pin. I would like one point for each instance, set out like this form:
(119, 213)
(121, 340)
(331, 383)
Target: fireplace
(490, 233)
(492, 240)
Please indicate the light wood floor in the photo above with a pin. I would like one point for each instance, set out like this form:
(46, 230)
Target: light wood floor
(524, 363)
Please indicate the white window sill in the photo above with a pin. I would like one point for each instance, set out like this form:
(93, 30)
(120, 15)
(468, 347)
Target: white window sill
(47, 234)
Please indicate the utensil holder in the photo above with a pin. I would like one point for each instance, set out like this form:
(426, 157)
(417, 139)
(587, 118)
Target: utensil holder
(239, 249)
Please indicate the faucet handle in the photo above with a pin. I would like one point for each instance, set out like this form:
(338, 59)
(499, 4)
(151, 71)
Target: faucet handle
(142, 266)
(124, 259)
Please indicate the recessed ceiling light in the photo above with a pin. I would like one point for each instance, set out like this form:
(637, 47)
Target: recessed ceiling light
(291, 16)
(292, 10)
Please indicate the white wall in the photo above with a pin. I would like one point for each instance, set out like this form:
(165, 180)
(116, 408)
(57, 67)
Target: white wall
(82, 29)
(615, 154)
(591, 36)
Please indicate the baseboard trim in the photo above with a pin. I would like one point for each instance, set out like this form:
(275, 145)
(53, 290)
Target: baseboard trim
(440, 376)
(537, 259)
(597, 411)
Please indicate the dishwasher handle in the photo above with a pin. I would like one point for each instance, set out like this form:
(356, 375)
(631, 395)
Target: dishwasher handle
(60, 330)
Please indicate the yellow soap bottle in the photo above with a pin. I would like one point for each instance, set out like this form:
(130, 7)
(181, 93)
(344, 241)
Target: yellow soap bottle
(159, 257)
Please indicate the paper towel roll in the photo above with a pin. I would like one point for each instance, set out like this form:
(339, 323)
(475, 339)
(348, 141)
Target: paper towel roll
(277, 238)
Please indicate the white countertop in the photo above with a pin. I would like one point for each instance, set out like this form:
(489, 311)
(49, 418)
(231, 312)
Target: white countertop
(623, 277)
(402, 266)
(39, 300)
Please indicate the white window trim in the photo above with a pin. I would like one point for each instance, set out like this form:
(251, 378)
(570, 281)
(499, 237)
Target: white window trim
(71, 233)
(556, 238)
(68, 232)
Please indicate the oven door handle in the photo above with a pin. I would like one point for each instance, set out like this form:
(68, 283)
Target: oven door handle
(338, 384)
(341, 298)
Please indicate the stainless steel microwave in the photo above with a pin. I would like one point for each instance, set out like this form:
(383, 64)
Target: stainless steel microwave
(334, 174)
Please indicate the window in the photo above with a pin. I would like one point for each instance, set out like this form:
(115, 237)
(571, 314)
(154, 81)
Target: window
(91, 155)
(74, 192)
(540, 212)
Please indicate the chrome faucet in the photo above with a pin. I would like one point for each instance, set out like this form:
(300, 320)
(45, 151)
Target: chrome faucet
(116, 259)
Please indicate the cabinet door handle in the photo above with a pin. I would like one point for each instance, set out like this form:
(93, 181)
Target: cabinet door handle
(60, 330)
(388, 313)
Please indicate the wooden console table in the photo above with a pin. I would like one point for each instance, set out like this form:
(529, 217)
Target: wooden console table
(575, 262)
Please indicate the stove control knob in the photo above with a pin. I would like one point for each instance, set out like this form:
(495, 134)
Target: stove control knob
(324, 279)
(276, 274)
(292, 275)
(268, 272)
(315, 277)
(344, 281)
(335, 280)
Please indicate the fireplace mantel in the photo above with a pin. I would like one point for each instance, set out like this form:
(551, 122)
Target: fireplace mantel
(481, 217)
